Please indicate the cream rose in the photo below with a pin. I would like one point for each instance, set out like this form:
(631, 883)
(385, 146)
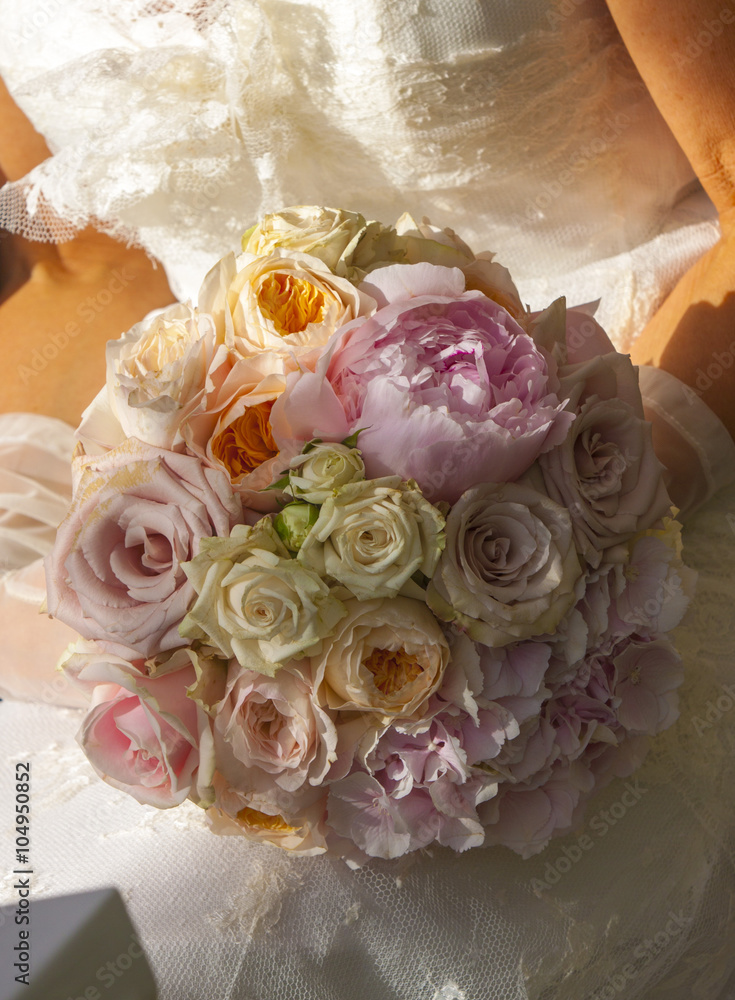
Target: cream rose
(386, 657)
(322, 468)
(156, 373)
(510, 569)
(372, 537)
(330, 234)
(288, 303)
(255, 602)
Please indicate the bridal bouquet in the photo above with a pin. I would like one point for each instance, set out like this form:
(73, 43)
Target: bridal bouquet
(363, 555)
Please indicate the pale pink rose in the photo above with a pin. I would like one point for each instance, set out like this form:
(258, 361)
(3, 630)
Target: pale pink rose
(448, 388)
(607, 475)
(115, 573)
(648, 675)
(144, 736)
(295, 823)
(269, 730)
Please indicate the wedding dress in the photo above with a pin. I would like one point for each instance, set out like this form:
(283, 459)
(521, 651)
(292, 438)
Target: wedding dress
(525, 128)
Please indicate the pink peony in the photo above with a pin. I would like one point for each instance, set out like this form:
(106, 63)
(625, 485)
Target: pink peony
(115, 573)
(449, 389)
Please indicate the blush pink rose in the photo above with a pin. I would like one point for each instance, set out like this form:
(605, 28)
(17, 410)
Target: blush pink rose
(144, 736)
(270, 731)
(447, 387)
(138, 512)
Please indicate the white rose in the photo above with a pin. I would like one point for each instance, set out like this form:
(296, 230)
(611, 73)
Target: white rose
(372, 537)
(156, 374)
(255, 602)
(323, 468)
(386, 657)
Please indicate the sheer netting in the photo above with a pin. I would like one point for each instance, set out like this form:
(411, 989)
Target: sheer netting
(524, 127)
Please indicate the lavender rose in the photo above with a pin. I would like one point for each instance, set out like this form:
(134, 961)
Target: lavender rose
(448, 388)
(509, 570)
(607, 475)
(138, 512)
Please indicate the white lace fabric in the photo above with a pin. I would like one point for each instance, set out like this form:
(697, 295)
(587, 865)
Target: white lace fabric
(525, 128)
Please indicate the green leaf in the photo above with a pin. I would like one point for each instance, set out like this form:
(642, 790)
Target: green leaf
(280, 484)
(351, 441)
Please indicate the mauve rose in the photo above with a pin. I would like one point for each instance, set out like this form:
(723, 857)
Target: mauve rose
(607, 475)
(144, 736)
(509, 569)
(447, 387)
(115, 573)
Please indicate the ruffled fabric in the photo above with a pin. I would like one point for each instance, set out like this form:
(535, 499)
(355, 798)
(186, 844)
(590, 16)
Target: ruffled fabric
(35, 490)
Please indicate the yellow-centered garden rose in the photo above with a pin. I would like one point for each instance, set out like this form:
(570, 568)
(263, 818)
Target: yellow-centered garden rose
(386, 657)
(288, 303)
